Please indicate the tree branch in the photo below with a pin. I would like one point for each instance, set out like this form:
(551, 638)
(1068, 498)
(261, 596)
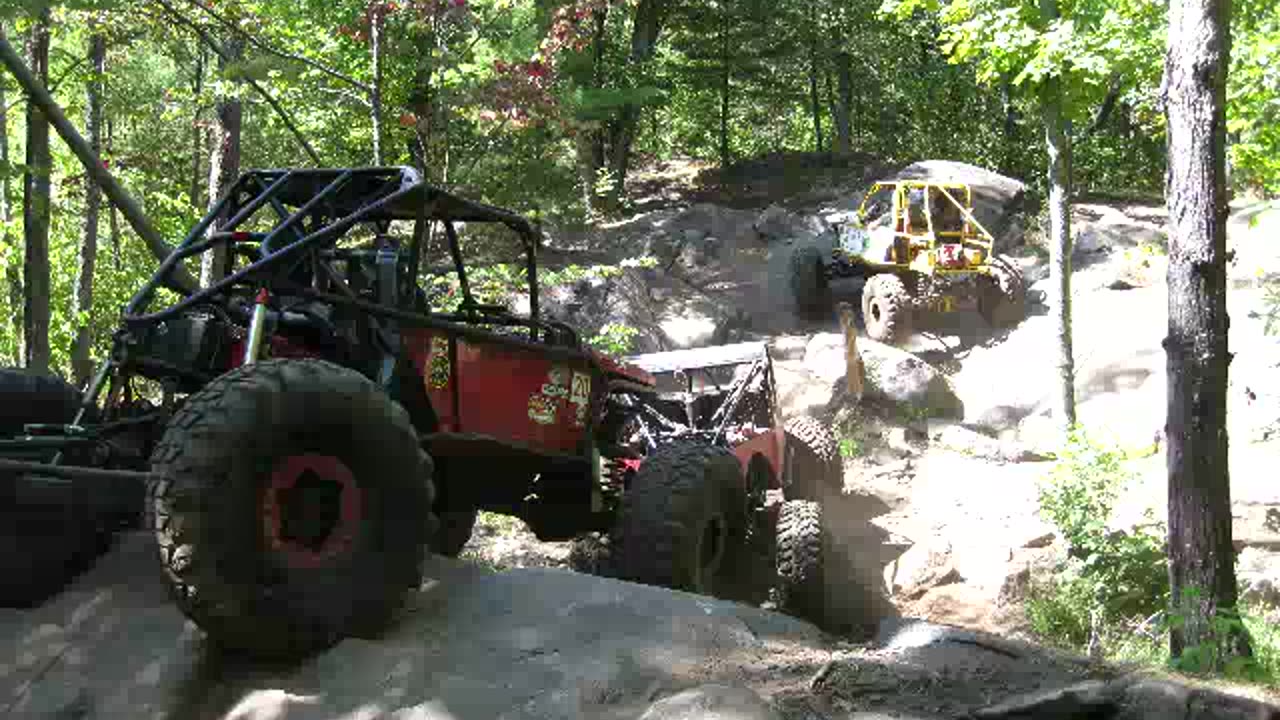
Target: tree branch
(180, 279)
(345, 94)
(1104, 110)
(280, 53)
(275, 104)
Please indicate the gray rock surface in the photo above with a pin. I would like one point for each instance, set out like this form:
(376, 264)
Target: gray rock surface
(519, 644)
(711, 702)
(897, 376)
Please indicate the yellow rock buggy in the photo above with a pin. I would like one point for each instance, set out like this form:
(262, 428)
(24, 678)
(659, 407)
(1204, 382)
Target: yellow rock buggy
(919, 247)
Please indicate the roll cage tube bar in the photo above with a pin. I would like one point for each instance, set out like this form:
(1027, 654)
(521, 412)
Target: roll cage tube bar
(432, 206)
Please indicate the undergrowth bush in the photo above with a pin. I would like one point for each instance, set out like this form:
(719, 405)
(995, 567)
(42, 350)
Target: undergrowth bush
(1118, 576)
(1115, 582)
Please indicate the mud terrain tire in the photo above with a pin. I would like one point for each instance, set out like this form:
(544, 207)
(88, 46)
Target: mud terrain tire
(453, 532)
(291, 503)
(886, 309)
(799, 558)
(27, 397)
(41, 547)
(1002, 301)
(814, 457)
(682, 518)
(807, 283)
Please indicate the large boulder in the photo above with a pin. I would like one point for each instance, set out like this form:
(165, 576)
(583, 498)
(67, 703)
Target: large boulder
(897, 376)
(472, 644)
(892, 375)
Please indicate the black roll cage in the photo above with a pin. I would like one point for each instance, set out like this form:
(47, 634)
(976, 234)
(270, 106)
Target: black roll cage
(334, 200)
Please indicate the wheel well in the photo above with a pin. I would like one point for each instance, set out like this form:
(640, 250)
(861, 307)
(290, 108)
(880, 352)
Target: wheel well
(760, 475)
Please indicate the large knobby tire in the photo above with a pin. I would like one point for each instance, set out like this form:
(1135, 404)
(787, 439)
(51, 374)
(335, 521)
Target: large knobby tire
(453, 531)
(886, 309)
(813, 459)
(1002, 299)
(42, 547)
(291, 502)
(682, 520)
(27, 397)
(799, 558)
(807, 282)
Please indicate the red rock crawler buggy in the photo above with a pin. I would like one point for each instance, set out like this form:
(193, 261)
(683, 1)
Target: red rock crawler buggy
(317, 424)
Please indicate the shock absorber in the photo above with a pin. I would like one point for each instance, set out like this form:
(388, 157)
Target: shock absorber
(257, 327)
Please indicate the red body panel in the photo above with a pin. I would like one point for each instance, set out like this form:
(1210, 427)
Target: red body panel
(514, 394)
(770, 445)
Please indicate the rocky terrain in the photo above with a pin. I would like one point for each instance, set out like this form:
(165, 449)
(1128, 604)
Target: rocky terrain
(546, 643)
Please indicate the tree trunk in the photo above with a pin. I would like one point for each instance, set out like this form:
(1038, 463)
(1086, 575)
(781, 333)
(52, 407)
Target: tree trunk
(1201, 558)
(815, 103)
(13, 274)
(197, 131)
(224, 161)
(646, 27)
(35, 210)
(1011, 149)
(114, 214)
(843, 109)
(590, 140)
(377, 17)
(1059, 150)
(81, 362)
(726, 72)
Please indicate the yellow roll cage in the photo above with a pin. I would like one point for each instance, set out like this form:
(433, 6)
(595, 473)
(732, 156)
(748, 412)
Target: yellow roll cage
(909, 238)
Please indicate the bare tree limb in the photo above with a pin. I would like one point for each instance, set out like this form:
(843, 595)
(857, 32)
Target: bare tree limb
(119, 197)
(278, 52)
(271, 100)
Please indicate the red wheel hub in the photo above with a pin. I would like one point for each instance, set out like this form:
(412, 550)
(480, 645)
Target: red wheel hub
(312, 509)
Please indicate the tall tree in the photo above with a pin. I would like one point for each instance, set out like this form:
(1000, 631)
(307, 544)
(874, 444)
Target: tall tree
(224, 158)
(1066, 56)
(13, 274)
(198, 129)
(377, 29)
(815, 104)
(646, 27)
(81, 365)
(1058, 145)
(35, 209)
(1201, 558)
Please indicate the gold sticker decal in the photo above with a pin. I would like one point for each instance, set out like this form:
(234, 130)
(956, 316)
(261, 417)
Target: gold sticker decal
(438, 373)
(542, 409)
(580, 396)
(581, 392)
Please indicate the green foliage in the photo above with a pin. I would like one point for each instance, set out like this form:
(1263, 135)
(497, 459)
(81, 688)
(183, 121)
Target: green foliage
(1271, 301)
(614, 339)
(1118, 575)
(848, 423)
(1253, 96)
